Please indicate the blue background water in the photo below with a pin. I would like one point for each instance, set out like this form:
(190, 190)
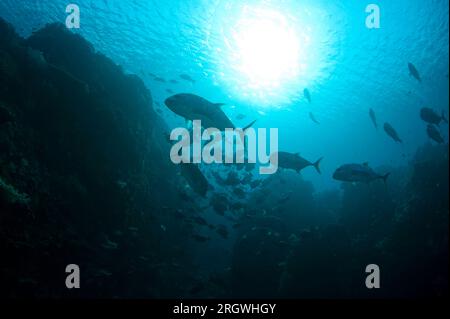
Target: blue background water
(349, 68)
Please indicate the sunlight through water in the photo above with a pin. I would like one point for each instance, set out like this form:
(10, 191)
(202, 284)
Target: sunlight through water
(266, 55)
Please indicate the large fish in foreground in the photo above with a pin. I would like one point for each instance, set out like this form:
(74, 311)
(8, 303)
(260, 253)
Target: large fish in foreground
(357, 173)
(413, 72)
(430, 116)
(193, 107)
(295, 162)
(392, 132)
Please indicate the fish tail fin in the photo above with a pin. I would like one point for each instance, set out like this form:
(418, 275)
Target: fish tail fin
(385, 177)
(443, 117)
(248, 126)
(317, 165)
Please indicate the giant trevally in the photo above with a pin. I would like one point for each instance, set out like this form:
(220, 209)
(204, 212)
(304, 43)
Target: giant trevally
(391, 132)
(295, 161)
(193, 107)
(413, 72)
(434, 134)
(357, 173)
(430, 116)
(373, 118)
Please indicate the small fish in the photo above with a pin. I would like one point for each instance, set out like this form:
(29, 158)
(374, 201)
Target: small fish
(307, 95)
(413, 72)
(159, 79)
(187, 78)
(430, 116)
(173, 81)
(240, 116)
(219, 203)
(311, 116)
(434, 134)
(200, 220)
(373, 118)
(169, 91)
(152, 75)
(222, 231)
(392, 132)
(109, 245)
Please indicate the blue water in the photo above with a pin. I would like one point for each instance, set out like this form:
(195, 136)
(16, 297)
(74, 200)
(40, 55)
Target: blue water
(347, 67)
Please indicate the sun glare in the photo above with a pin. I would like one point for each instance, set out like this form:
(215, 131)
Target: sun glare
(267, 50)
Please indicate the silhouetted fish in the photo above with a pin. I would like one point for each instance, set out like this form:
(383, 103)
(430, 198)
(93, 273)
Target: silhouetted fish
(391, 132)
(311, 116)
(159, 79)
(187, 78)
(430, 116)
(413, 72)
(358, 173)
(200, 238)
(195, 178)
(434, 134)
(307, 95)
(193, 107)
(295, 162)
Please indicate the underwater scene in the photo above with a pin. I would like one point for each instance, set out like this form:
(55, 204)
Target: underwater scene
(214, 149)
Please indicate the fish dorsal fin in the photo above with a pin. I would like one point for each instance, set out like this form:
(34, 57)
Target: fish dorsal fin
(366, 164)
(219, 104)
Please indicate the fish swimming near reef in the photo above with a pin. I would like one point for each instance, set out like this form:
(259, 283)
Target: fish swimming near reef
(195, 178)
(434, 134)
(312, 117)
(373, 118)
(392, 132)
(358, 173)
(187, 78)
(295, 162)
(307, 95)
(193, 107)
(413, 72)
(430, 116)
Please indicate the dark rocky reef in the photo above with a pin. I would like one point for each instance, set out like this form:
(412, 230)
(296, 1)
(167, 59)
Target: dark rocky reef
(84, 174)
